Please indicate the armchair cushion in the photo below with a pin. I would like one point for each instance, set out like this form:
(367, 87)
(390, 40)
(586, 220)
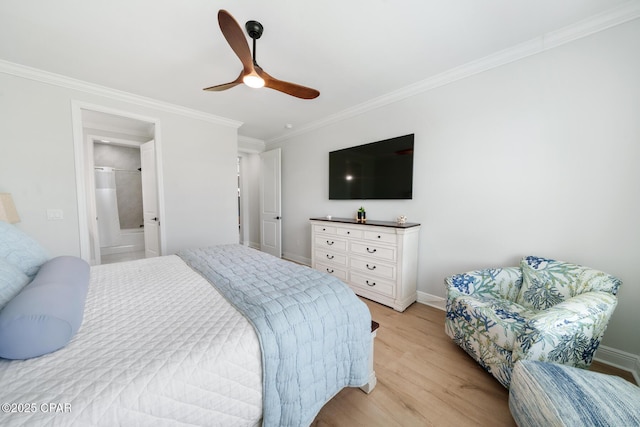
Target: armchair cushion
(500, 321)
(568, 333)
(547, 282)
(497, 283)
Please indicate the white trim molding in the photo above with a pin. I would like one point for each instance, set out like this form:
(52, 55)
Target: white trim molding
(42, 76)
(625, 12)
(253, 245)
(296, 258)
(432, 300)
(247, 144)
(619, 359)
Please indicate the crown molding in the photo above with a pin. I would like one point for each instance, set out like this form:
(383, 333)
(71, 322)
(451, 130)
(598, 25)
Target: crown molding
(625, 12)
(247, 144)
(42, 76)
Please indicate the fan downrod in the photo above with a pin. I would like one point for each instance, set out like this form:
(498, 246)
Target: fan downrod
(254, 29)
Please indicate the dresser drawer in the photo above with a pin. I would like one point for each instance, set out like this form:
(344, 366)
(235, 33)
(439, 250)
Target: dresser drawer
(374, 267)
(331, 257)
(329, 242)
(378, 236)
(347, 232)
(374, 251)
(340, 273)
(326, 229)
(373, 284)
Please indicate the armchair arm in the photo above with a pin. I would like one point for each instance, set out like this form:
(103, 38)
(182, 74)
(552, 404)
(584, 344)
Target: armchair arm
(499, 283)
(568, 333)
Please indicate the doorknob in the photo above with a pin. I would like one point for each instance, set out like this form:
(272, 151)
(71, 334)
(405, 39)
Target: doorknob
(154, 218)
(278, 217)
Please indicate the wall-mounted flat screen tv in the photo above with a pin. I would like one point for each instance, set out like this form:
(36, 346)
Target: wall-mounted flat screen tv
(379, 170)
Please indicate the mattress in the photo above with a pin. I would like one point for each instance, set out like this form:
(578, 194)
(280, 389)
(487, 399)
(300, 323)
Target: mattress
(158, 346)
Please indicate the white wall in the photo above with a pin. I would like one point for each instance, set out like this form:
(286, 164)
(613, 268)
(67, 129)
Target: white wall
(37, 166)
(536, 157)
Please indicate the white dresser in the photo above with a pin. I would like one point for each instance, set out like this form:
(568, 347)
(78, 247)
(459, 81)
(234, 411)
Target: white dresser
(378, 260)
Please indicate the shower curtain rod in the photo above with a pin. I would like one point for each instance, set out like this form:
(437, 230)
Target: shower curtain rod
(118, 170)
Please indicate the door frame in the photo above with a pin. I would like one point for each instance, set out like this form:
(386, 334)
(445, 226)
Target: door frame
(150, 199)
(84, 167)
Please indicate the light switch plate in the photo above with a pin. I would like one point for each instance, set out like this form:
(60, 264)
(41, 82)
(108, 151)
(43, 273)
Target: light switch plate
(55, 214)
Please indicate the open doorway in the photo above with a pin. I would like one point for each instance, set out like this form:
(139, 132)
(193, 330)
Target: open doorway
(118, 198)
(117, 174)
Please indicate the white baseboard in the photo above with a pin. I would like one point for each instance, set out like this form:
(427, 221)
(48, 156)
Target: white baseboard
(619, 359)
(297, 258)
(607, 355)
(431, 300)
(252, 245)
(112, 250)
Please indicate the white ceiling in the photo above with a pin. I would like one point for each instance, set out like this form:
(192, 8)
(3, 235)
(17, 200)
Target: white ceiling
(351, 51)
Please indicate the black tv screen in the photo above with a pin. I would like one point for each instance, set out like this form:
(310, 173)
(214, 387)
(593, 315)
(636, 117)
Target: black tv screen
(379, 170)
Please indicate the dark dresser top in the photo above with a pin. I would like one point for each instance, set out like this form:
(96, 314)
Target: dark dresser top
(392, 224)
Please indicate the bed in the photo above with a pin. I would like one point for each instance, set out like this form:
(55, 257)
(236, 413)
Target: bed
(163, 342)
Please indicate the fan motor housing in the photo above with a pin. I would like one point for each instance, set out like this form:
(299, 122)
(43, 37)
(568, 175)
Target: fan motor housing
(254, 29)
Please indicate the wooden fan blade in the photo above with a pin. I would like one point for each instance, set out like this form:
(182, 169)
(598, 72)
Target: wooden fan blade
(236, 39)
(226, 86)
(292, 89)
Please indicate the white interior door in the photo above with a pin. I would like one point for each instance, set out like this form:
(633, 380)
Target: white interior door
(270, 203)
(150, 199)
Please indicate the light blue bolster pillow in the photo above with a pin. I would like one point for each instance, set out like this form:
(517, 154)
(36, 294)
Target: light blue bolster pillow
(48, 312)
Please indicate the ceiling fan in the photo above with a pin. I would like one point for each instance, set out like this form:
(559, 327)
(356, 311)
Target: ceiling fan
(252, 74)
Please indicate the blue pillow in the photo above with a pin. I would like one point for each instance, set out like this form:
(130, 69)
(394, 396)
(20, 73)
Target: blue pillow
(12, 280)
(48, 312)
(21, 250)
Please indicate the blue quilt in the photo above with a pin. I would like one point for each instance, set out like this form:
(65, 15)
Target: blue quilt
(314, 332)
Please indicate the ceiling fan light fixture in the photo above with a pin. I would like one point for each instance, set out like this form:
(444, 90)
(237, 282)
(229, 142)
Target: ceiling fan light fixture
(253, 80)
(252, 75)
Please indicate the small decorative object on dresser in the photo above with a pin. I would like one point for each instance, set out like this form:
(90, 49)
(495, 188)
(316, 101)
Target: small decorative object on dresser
(378, 260)
(362, 215)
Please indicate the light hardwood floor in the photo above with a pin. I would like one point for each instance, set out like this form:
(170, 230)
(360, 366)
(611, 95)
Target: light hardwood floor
(424, 379)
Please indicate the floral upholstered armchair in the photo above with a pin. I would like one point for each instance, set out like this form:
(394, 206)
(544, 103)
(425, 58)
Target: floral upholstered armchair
(543, 310)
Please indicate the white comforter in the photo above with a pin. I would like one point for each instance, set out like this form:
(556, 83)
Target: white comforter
(158, 346)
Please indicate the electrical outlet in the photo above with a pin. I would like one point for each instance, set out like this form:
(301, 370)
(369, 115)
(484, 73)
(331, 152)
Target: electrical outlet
(55, 214)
